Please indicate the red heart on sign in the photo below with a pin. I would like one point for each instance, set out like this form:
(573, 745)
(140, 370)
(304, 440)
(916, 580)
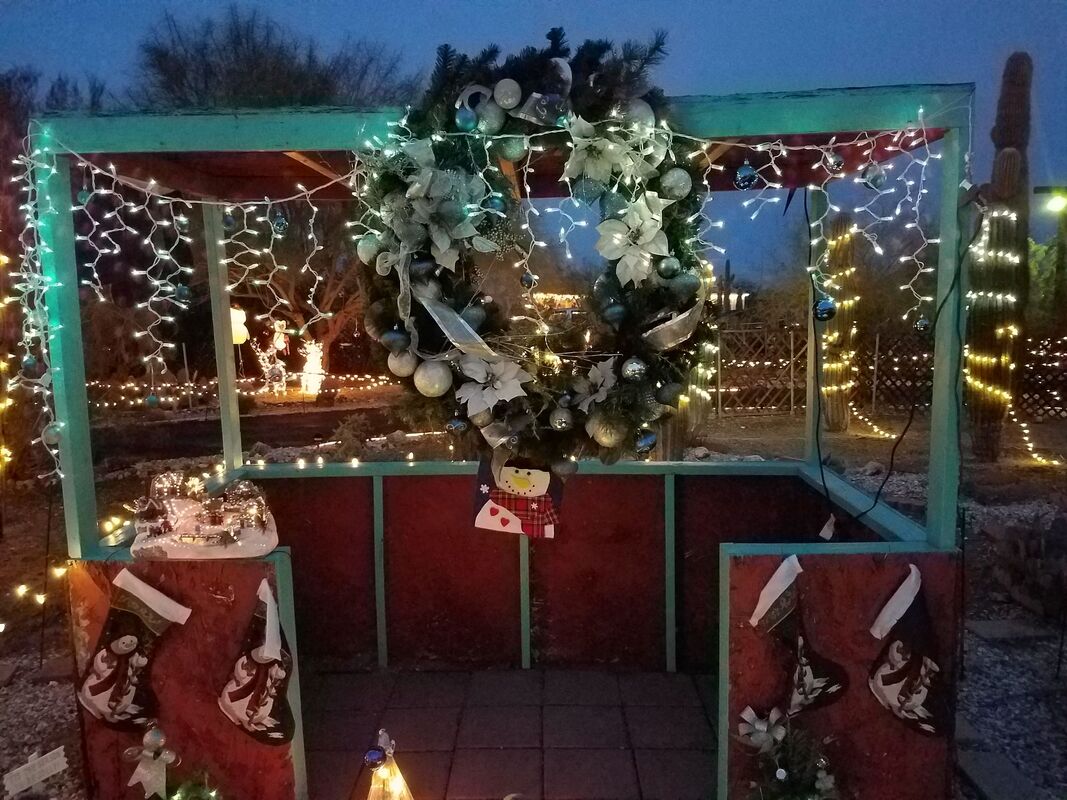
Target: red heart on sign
(504, 522)
(494, 511)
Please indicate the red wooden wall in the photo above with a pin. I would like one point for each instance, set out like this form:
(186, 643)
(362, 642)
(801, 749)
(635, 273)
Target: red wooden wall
(841, 596)
(191, 665)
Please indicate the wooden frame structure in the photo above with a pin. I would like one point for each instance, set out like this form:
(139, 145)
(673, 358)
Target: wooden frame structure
(779, 114)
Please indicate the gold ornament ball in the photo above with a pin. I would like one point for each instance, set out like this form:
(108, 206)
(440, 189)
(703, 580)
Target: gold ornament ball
(604, 430)
(561, 419)
(403, 364)
(433, 378)
(481, 418)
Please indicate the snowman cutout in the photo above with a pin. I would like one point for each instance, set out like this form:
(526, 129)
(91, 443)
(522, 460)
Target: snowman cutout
(520, 502)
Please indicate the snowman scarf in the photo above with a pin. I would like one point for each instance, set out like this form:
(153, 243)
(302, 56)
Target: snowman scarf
(535, 513)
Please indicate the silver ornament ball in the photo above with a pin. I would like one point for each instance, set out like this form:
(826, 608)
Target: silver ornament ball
(368, 247)
(51, 434)
(668, 267)
(638, 114)
(154, 739)
(403, 364)
(873, 176)
(433, 378)
(604, 430)
(481, 418)
(511, 148)
(491, 117)
(676, 183)
(561, 419)
(507, 93)
(633, 369)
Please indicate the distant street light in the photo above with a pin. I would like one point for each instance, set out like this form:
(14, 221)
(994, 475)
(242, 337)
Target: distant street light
(1057, 204)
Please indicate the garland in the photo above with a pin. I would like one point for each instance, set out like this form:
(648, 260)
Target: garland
(445, 208)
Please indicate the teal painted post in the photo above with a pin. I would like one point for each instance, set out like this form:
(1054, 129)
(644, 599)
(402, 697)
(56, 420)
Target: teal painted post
(217, 278)
(944, 477)
(67, 357)
(723, 666)
(379, 572)
(812, 425)
(670, 620)
(524, 599)
(283, 576)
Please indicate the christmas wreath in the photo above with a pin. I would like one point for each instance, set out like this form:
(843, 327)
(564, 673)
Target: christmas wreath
(448, 200)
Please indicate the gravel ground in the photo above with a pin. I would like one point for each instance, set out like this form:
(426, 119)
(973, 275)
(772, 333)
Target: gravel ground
(40, 717)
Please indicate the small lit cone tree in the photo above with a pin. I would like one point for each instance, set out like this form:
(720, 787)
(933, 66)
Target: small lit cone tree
(838, 336)
(992, 321)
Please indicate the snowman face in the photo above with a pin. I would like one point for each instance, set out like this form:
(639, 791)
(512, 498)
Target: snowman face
(124, 645)
(524, 482)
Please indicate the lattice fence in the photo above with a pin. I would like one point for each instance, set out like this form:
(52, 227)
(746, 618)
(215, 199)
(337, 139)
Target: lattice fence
(762, 371)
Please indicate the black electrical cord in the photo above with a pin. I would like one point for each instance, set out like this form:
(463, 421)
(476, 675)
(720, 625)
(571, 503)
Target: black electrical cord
(818, 367)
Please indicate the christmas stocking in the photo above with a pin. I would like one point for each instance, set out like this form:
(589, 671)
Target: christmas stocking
(817, 681)
(255, 698)
(906, 678)
(115, 687)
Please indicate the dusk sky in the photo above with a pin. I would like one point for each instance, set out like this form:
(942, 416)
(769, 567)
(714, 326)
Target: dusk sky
(716, 46)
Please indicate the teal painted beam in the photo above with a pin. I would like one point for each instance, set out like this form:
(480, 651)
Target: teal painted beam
(379, 573)
(327, 469)
(813, 403)
(821, 110)
(524, 601)
(218, 280)
(883, 519)
(944, 468)
(734, 549)
(283, 576)
(670, 630)
(237, 131)
(55, 222)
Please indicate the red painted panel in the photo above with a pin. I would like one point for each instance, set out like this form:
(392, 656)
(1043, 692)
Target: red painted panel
(597, 589)
(329, 524)
(715, 509)
(874, 755)
(191, 665)
(453, 591)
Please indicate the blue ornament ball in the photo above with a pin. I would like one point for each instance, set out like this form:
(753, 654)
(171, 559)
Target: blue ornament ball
(474, 315)
(668, 267)
(645, 441)
(922, 324)
(152, 401)
(452, 212)
(466, 119)
(835, 162)
(496, 202)
(613, 205)
(587, 190)
(280, 223)
(614, 314)
(375, 757)
(746, 176)
(396, 340)
(825, 309)
(528, 280)
(29, 361)
(182, 293)
(229, 222)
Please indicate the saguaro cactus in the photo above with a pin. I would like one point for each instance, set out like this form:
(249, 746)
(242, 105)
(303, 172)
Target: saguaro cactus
(993, 303)
(838, 338)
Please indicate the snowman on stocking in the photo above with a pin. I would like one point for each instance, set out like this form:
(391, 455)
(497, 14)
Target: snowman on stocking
(255, 698)
(816, 681)
(520, 499)
(115, 687)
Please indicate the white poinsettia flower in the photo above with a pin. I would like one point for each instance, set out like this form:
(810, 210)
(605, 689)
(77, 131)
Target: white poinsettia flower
(593, 155)
(633, 240)
(594, 389)
(643, 156)
(490, 382)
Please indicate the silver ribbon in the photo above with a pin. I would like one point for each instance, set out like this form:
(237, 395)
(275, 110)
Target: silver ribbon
(454, 326)
(675, 331)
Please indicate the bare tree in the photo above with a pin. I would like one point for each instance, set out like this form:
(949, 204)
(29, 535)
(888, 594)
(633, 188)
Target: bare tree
(244, 59)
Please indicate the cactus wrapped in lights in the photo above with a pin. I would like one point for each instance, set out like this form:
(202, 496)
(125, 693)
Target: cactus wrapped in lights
(838, 335)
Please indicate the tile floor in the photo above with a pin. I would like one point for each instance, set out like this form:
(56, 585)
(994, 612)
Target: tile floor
(543, 735)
